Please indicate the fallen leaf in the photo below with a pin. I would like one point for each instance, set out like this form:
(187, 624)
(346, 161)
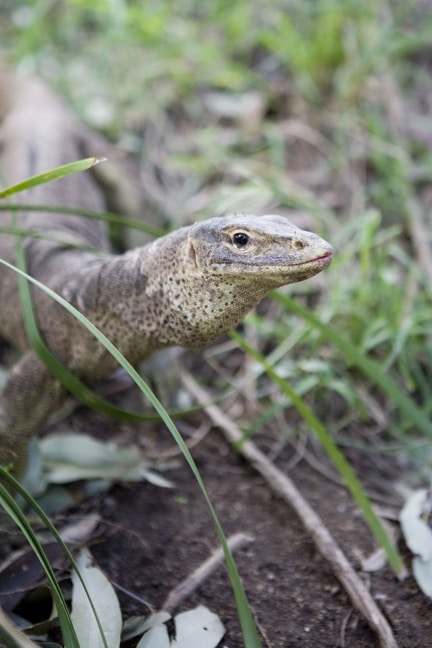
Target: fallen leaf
(413, 521)
(71, 457)
(105, 602)
(197, 628)
(418, 536)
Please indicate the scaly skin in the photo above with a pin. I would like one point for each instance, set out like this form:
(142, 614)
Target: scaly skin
(185, 289)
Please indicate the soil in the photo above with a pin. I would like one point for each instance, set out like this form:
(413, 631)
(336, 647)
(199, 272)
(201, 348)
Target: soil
(155, 537)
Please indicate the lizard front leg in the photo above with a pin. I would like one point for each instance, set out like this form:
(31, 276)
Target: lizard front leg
(30, 395)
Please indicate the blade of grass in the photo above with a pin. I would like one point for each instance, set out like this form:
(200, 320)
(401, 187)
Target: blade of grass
(5, 502)
(370, 368)
(108, 217)
(15, 513)
(53, 174)
(247, 623)
(341, 464)
(17, 231)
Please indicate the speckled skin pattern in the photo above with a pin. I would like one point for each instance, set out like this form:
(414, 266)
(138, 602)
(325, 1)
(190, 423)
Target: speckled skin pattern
(185, 288)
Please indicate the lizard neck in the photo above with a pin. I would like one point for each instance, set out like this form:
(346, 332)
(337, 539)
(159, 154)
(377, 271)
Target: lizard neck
(190, 306)
(153, 297)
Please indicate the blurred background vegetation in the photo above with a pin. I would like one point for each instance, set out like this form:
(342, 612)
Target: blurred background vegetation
(316, 110)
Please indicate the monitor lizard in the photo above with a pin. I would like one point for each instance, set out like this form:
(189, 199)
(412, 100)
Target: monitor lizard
(185, 288)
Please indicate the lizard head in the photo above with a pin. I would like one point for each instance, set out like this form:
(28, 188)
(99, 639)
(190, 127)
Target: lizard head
(201, 280)
(269, 249)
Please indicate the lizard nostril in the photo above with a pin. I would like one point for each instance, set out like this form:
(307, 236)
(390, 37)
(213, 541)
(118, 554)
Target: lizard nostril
(298, 244)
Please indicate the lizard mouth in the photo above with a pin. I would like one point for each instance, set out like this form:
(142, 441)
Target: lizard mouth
(323, 259)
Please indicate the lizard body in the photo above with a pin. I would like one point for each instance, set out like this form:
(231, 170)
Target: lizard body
(185, 288)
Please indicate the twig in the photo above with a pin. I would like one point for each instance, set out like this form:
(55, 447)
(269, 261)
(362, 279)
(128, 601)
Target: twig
(284, 486)
(184, 589)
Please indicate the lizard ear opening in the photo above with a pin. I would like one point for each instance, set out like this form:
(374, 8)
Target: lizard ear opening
(191, 253)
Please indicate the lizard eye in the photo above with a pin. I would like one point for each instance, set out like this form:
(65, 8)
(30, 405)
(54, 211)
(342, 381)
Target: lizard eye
(240, 239)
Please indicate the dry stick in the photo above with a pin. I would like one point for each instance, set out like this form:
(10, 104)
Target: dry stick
(184, 589)
(283, 485)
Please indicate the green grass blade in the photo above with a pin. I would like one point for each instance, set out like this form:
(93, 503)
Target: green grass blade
(53, 174)
(17, 231)
(108, 217)
(370, 368)
(15, 486)
(247, 623)
(15, 513)
(333, 452)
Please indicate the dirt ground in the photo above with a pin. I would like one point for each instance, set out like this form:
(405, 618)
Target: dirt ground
(155, 537)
